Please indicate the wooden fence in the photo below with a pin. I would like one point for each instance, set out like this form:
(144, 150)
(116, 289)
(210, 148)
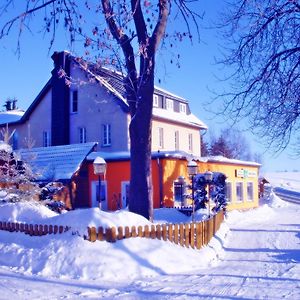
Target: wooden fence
(33, 229)
(193, 235)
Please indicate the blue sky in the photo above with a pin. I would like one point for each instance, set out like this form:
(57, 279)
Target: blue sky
(23, 77)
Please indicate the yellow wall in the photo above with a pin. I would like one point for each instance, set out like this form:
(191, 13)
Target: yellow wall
(230, 171)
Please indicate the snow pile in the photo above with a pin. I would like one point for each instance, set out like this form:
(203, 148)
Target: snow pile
(68, 255)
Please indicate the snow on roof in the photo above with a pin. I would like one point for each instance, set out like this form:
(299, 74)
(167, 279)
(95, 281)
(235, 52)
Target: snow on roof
(125, 155)
(190, 119)
(56, 162)
(223, 159)
(10, 116)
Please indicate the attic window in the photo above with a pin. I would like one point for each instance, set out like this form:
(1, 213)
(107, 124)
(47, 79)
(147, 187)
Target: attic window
(169, 104)
(155, 100)
(182, 108)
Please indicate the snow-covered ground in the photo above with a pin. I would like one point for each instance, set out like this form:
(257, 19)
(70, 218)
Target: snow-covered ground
(255, 255)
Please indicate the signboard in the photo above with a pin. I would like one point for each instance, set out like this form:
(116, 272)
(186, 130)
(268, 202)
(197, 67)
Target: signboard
(244, 173)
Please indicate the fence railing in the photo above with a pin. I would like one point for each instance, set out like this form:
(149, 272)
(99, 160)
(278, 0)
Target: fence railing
(193, 235)
(33, 229)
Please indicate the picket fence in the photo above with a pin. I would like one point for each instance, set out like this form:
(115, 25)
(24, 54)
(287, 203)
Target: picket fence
(33, 229)
(194, 235)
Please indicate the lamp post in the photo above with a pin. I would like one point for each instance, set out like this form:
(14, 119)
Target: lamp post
(181, 182)
(192, 169)
(99, 165)
(208, 175)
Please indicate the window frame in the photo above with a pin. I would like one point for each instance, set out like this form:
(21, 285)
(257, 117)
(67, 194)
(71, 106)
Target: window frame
(82, 135)
(250, 183)
(74, 101)
(229, 191)
(46, 139)
(177, 141)
(241, 198)
(106, 135)
(161, 137)
(169, 104)
(190, 142)
(182, 108)
(155, 100)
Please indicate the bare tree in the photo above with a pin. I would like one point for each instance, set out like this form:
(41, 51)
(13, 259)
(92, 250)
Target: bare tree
(263, 36)
(125, 35)
(231, 144)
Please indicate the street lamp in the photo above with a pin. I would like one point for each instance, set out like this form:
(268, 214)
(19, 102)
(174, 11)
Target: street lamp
(208, 175)
(99, 165)
(192, 169)
(181, 181)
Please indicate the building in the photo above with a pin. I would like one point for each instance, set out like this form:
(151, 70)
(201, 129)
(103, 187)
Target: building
(73, 166)
(81, 103)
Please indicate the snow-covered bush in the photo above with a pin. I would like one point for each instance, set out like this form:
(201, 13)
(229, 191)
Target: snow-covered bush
(16, 177)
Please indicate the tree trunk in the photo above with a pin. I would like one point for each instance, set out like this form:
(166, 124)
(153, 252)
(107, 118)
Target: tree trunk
(140, 150)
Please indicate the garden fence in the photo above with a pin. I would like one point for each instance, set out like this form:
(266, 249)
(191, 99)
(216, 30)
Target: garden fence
(193, 235)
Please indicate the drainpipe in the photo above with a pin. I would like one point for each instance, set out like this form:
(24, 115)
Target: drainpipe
(160, 181)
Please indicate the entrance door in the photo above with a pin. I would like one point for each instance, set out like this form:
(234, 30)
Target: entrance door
(95, 192)
(125, 193)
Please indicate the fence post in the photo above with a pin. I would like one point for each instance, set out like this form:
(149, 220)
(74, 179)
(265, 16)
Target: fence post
(92, 235)
(164, 232)
(100, 235)
(120, 233)
(176, 234)
(140, 231)
(153, 232)
(181, 232)
(187, 235)
(147, 232)
(170, 232)
(192, 235)
(158, 231)
(133, 231)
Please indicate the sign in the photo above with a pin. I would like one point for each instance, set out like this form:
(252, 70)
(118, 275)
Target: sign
(244, 173)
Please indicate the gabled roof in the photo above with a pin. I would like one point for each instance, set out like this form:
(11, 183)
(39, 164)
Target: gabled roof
(56, 162)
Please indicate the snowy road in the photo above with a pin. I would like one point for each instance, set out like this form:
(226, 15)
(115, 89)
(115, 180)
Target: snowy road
(261, 260)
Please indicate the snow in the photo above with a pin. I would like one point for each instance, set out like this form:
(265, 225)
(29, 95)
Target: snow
(287, 180)
(10, 116)
(254, 255)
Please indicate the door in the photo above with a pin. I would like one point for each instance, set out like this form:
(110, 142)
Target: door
(125, 193)
(95, 193)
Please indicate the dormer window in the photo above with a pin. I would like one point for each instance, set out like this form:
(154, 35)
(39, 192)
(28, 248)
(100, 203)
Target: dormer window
(169, 104)
(74, 101)
(155, 100)
(182, 108)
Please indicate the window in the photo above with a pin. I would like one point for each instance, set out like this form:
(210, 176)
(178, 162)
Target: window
(169, 104)
(155, 100)
(74, 102)
(160, 137)
(250, 193)
(82, 135)
(190, 142)
(176, 140)
(15, 140)
(106, 131)
(239, 192)
(179, 192)
(229, 191)
(46, 139)
(182, 108)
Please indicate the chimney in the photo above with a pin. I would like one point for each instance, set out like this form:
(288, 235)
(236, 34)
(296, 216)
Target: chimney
(60, 115)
